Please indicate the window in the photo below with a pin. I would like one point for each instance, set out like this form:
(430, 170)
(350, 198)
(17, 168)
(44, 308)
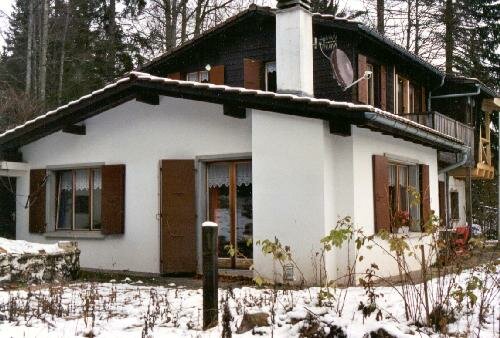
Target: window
(400, 96)
(200, 76)
(78, 199)
(270, 76)
(229, 204)
(403, 192)
(455, 212)
(371, 85)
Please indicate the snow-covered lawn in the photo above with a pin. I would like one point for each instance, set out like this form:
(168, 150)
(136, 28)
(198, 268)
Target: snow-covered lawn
(124, 309)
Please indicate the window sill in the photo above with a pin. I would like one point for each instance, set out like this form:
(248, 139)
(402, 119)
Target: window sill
(75, 234)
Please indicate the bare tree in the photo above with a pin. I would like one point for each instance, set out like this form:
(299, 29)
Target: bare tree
(43, 49)
(29, 48)
(380, 16)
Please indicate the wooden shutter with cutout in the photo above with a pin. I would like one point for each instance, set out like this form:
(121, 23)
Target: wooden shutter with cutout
(381, 193)
(442, 203)
(178, 217)
(216, 75)
(252, 74)
(36, 200)
(425, 193)
(113, 199)
(363, 84)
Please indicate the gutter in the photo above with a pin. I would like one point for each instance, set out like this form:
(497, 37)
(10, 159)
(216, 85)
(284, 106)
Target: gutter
(477, 92)
(377, 118)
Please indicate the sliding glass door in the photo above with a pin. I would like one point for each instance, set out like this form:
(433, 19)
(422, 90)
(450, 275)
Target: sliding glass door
(229, 204)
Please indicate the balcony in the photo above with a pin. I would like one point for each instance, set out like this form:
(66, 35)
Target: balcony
(480, 151)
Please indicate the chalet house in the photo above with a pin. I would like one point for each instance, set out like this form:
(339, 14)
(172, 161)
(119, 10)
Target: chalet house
(252, 125)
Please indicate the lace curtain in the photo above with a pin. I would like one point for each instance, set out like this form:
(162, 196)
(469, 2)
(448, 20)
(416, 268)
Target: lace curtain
(218, 174)
(81, 180)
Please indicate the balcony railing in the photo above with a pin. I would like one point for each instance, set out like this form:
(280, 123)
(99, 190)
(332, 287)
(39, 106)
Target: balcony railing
(447, 126)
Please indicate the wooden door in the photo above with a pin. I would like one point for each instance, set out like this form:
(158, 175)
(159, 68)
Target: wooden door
(178, 217)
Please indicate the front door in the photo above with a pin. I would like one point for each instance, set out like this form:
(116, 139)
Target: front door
(229, 204)
(178, 217)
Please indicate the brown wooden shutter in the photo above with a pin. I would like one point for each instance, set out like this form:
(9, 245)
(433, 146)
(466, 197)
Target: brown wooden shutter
(178, 210)
(362, 85)
(36, 200)
(174, 76)
(252, 74)
(425, 193)
(406, 90)
(217, 75)
(381, 193)
(113, 199)
(383, 87)
(442, 203)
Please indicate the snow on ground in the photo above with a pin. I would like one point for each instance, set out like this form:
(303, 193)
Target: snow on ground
(123, 309)
(22, 247)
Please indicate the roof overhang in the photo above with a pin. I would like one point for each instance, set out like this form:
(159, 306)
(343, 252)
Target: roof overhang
(139, 85)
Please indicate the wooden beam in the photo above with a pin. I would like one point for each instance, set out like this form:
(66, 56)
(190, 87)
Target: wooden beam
(75, 129)
(148, 98)
(238, 112)
(340, 127)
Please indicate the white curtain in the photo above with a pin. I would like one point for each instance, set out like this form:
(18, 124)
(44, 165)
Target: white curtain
(218, 174)
(81, 180)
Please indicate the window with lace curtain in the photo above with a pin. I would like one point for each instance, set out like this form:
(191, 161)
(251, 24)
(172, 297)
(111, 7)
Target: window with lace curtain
(78, 199)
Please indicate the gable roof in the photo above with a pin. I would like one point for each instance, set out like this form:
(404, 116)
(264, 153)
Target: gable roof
(138, 84)
(318, 18)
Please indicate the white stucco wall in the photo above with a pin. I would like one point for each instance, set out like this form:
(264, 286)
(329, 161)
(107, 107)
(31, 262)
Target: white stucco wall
(288, 187)
(366, 144)
(139, 136)
(456, 185)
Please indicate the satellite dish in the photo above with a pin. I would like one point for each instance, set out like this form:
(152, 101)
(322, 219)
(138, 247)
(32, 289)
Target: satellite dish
(342, 67)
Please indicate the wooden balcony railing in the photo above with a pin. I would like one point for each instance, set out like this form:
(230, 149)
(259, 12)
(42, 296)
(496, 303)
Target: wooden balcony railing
(447, 126)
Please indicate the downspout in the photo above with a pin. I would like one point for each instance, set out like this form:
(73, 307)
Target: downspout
(430, 92)
(465, 158)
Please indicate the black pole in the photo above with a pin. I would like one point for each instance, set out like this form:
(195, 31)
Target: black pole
(210, 275)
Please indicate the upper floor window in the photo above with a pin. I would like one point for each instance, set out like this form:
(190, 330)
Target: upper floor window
(270, 76)
(200, 76)
(78, 199)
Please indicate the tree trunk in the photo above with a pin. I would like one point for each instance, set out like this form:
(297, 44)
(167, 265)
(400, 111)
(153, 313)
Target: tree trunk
(167, 14)
(380, 17)
(184, 20)
(63, 53)
(43, 49)
(408, 27)
(36, 48)
(111, 37)
(417, 27)
(448, 39)
(29, 50)
(173, 26)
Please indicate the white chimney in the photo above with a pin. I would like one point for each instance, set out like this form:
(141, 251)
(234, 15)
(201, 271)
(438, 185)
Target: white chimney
(294, 48)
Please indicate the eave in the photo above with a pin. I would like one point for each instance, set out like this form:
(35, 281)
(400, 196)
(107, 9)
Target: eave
(138, 84)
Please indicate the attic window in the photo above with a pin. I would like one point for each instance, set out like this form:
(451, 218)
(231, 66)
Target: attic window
(270, 76)
(78, 199)
(200, 76)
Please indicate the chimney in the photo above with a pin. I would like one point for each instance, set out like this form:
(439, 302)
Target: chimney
(294, 48)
